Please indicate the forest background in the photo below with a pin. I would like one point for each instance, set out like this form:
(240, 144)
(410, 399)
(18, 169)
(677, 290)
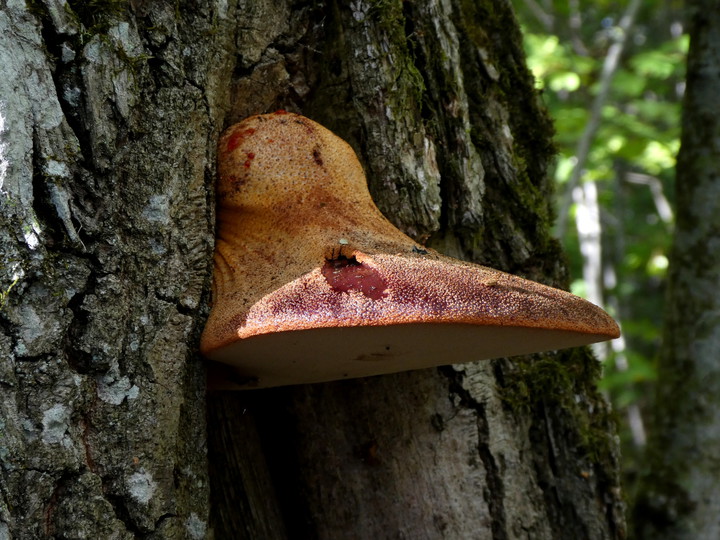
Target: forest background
(612, 75)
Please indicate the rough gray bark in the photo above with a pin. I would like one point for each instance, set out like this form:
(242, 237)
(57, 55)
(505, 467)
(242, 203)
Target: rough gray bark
(110, 114)
(679, 496)
(109, 123)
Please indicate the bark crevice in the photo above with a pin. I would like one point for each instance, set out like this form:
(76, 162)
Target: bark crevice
(494, 492)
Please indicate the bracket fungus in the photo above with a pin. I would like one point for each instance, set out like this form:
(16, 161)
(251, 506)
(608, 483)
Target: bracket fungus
(312, 283)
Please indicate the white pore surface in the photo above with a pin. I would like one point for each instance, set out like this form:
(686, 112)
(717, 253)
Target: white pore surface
(326, 354)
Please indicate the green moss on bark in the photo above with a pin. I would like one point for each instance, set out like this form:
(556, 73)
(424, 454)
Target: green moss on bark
(565, 382)
(391, 20)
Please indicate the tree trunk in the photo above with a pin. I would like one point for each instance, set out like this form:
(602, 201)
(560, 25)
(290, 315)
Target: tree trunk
(110, 113)
(109, 123)
(680, 493)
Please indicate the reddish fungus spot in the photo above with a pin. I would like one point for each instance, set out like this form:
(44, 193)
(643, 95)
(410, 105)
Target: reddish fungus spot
(250, 156)
(236, 138)
(281, 111)
(344, 275)
(234, 141)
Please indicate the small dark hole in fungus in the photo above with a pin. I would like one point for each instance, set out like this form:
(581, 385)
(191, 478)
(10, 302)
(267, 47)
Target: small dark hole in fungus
(317, 157)
(369, 453)
(345, 274)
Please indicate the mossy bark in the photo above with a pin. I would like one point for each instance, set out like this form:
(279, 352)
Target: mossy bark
(679, 495)
(110, 119)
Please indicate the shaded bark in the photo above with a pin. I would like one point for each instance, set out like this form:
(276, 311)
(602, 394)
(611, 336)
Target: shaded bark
(107, 212)
(679, 496)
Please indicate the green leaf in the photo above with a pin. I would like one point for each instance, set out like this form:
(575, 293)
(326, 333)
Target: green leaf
(655, 64)
(564, 81)
(628, 84)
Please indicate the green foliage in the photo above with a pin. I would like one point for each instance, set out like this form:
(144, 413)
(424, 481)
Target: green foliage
(631, 381)
(632, 157)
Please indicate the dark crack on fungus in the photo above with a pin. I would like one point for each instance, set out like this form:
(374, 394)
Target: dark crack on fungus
(317, 157)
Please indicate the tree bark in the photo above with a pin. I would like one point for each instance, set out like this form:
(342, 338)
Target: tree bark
(679, 496)
(110, 114)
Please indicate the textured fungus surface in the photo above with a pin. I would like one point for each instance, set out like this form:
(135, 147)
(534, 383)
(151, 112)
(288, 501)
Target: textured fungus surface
(302, 248)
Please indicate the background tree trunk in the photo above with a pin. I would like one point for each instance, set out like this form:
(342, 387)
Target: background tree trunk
(110, 115)
(679, 496)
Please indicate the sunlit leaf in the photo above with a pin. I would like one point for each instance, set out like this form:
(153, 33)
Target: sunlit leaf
(658, 157)
(567, 81)
(578, 287)
(658, 265)
(564, 168)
